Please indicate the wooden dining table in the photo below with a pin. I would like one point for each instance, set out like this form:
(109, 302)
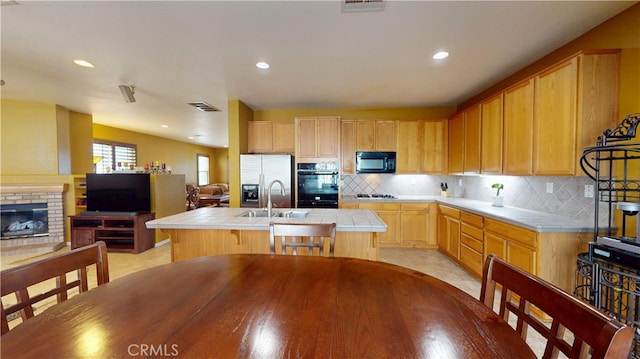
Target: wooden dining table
(266, 306)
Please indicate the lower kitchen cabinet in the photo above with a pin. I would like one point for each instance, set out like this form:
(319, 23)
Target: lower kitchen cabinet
(449, 231)
(389, 212)
(471, 242)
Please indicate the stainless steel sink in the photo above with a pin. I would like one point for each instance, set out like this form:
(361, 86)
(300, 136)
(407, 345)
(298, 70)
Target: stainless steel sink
(284, 214)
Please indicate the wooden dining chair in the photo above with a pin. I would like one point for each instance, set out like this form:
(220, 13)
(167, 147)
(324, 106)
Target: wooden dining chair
(18, 279)
(302, 235)
(605, 336)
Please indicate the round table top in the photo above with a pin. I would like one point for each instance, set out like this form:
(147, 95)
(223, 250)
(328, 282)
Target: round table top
(262, 306)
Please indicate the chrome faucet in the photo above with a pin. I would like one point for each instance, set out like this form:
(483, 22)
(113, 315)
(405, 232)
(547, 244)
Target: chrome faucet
(269, 203)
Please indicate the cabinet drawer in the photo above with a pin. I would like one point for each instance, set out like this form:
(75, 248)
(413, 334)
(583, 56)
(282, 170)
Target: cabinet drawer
(349, 205)
(511, 232)
(471, 259)
(448, 211)
(414, 206)
(471, 231)
(472, 242)
(472, 219)
(389, 206)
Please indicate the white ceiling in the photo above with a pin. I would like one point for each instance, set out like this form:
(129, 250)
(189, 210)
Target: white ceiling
(177, 52)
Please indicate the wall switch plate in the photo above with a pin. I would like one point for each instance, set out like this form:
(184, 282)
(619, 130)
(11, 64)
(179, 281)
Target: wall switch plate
(549, 187)
(588, 191)
(459, 182)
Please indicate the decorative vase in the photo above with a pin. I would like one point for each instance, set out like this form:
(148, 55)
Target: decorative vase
(497, 201)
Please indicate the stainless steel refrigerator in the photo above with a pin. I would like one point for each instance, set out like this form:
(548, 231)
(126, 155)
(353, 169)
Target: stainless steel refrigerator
(257, 171)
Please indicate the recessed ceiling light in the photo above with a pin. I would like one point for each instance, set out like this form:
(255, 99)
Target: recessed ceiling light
(440, 55)
(164, 126)
(83, 63)
(262, 65)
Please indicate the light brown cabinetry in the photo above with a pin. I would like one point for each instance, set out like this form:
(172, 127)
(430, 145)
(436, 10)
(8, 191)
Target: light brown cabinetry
(409, 147)
(449, 231)
(434, 146)
(390, 215)
(456, 144)
(518, 129)
(491, 136)
(472, 137)
(317, 138)
(348, 147)
(375, 135)
(471, 242)
(80, 193)
(271, 137)
(120, 233)
(574, 102)
(514, 244)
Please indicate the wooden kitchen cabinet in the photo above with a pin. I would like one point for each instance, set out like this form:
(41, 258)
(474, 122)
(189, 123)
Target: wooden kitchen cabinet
(491, 135)
(456, 144)
(271, 137)
(518, 129)
(389, 212)
(449, 231)
(317, 138)
(434, 146)
(417, 225)
(514, 244)
(574, 102)
(348, 147)
(409, 149)
(375, 135)
(472, 242)
(472, 139)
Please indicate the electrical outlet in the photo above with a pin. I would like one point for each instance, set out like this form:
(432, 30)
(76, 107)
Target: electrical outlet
(549, 187)
(459, 182)
(588, 191)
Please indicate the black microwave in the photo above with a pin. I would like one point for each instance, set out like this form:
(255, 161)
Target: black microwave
(375, 162)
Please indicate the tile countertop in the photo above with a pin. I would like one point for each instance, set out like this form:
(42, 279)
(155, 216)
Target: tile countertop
(533, 220)
(347, 220)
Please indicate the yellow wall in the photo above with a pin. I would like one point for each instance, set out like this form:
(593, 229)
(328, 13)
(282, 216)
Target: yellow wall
(181, 156)
(239, 116)
(399, 113)
(81, 134)
(221, 166)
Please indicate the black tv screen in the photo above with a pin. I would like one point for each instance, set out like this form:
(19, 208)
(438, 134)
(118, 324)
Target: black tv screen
(124, 192)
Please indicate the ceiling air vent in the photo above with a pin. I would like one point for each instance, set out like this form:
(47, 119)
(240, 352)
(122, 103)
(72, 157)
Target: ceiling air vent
(203, 106)
(362, 5)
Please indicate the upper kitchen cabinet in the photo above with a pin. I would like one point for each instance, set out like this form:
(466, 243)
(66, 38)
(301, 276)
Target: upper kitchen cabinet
(348, 147)
(409, 149)
(456, 143)
(574, 102)
(271, 137)
(491, 136)
(317, 138)
(518, 129)
(375, 135)
(434, 146)
(472, 137)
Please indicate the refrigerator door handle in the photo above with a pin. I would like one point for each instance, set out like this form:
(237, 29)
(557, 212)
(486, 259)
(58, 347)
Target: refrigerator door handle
(261, 192)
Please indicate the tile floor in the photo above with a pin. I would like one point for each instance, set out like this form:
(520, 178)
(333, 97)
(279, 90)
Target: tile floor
(428, 261)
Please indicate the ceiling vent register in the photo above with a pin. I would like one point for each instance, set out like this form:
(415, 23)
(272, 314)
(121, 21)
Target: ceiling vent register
(203, 106)
(362, 5)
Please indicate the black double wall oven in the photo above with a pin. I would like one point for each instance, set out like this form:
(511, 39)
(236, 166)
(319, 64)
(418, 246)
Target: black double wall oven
(318, 185)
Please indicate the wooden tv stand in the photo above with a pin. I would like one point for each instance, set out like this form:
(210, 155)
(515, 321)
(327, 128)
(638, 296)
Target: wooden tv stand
(121, 233)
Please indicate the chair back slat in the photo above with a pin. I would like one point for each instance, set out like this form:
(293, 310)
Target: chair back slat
(18, 279)
(605, 337)
(302, 235)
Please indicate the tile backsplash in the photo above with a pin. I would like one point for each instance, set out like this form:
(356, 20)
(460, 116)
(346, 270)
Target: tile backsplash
(528, 192)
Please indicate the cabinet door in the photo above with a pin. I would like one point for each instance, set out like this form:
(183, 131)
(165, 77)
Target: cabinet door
(495, 245)
(472, 136)
(521, 257)
(454, 238)
(415, 225)
(491, 137)
(391, 237)
(348, 147)
(518, 129)
(328, 137)
(409, 154)
(554, 123)
(283, 137)
(306, 137)
(260, 135)
(443, 233)
(456, 144)
(434, 146)
(365, 135)
(385, 136)
(81, 238)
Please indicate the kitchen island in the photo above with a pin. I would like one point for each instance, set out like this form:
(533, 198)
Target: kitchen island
(215, 231)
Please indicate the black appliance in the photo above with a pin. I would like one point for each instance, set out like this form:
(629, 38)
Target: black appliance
(118, 193)
(250, 195)
(375, 162)
(318, 185)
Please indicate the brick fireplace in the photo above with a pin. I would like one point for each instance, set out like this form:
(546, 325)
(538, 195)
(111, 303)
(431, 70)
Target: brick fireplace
(52, 196)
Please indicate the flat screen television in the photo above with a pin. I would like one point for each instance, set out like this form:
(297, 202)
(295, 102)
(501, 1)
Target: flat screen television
(123, 192)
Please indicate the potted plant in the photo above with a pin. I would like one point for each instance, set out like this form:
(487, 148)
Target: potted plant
(497, 200)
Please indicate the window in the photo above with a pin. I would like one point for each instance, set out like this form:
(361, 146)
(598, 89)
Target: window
(203, 170)
(111, 156)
